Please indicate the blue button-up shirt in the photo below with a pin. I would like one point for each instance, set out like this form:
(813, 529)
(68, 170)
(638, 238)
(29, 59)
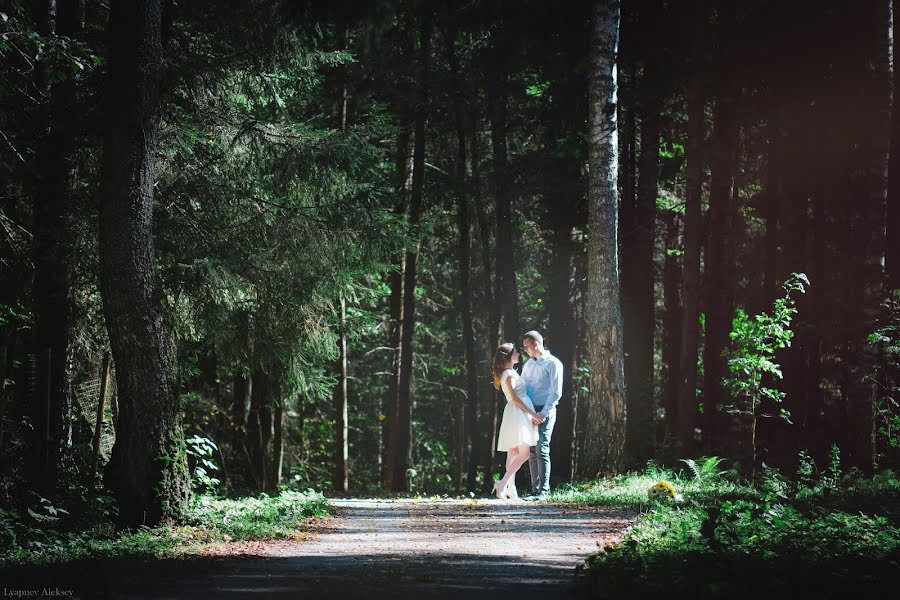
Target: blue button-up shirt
(544, 380)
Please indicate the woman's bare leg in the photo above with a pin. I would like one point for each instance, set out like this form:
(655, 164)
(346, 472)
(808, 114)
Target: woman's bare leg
(520, 458)
(512, 457)
(515, 458)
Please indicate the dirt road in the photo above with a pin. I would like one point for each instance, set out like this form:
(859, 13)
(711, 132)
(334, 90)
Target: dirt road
(387, 549)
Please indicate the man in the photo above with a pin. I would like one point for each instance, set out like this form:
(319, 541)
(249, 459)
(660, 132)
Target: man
(543, 376)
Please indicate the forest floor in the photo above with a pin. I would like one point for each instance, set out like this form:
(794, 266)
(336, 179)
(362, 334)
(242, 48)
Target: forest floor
(374, 548)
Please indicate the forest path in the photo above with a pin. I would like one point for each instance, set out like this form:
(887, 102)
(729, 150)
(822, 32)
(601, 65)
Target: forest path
(401, 548)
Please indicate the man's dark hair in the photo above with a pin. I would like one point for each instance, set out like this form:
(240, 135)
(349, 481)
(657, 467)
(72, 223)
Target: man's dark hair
(534, 335)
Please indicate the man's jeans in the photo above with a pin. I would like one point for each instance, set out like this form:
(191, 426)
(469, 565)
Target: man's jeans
(539, 461)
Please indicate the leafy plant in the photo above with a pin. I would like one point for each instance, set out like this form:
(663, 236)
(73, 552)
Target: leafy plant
(202, 450)
(885, 376)
(751, 358)
(706, 471)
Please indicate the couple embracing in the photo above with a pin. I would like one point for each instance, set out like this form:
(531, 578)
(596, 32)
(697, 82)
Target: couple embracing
(529, 415)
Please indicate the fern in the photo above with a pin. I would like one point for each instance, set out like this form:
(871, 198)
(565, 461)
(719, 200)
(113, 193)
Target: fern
(706, 471)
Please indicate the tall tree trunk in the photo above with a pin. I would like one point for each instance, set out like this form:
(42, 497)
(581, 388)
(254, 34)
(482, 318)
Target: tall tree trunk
(148, 469)
(408, 323)
(892, 250)
(277, 444)
(638, 272)
(259, 431)
(672, 319)
(719, 257)
(690, 323)
(339, 395)
(240, 407)
(53, 251)
(774, 195)
(561, 333)
(507, 290)
(604, 409)
(242, 387)
(467, 440)
(867, 220)
(782, 447)
(394, 324)
(487, 450)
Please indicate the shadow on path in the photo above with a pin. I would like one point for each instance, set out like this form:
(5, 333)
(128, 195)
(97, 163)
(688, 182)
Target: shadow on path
(371, 549)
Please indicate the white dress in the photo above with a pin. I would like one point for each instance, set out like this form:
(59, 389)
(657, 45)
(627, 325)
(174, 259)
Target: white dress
(516, 427)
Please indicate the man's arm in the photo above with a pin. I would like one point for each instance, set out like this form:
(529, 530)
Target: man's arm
(555, 372)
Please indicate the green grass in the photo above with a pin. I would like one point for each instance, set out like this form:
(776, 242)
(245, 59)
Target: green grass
(829, 538)
(210, 520)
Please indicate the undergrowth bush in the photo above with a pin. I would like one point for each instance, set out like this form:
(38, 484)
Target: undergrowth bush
(824, 534)
(28, 540)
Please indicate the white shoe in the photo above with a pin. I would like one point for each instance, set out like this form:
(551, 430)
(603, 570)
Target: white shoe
(511, 492)
(500, 495)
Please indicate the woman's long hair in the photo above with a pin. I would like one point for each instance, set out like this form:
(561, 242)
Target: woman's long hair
(500, 360)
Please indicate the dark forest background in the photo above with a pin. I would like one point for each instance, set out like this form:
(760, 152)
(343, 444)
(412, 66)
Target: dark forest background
(248, 245)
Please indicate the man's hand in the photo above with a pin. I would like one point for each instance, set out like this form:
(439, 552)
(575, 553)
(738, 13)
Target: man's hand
(538, 419)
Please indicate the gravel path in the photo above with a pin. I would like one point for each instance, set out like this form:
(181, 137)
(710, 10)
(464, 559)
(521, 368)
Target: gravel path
(393, 548)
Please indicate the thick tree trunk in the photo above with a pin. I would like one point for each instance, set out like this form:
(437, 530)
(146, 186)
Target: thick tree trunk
(719, 259)
(604, 409)
(672, 319)
(148, 469)
(638, 272)
(561, 334)
(408, 323)
(690, 324)
(394, 324)
(242, 387)
(259, 431)
(52, 254)
(867, 222)
(467, 436)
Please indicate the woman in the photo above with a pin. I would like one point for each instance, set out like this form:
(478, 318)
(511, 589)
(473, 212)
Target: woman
(517, 430)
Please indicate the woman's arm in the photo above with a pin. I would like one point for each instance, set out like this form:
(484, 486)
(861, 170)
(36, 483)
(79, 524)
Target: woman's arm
(515, 398)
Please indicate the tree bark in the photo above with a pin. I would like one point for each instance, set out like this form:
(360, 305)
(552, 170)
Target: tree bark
(638, 272)
(867, 221)
(53, 251)
(407, 329)
(467, 439)
(672, 319)
(690, 323)
(561, 333)
(259, 431)
(394, 324)
(507, 291)
(487, 438)
(277, 445)
(148, 469)
(604, 409)
(719, 256)
(892, 249)
(339, 394)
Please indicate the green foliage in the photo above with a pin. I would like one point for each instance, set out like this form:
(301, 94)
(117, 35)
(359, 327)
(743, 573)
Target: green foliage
(210, 520)
(706, 470)
(202, 450)
(718, 542)
(751, 357)
(885, 376)
(261, 517)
